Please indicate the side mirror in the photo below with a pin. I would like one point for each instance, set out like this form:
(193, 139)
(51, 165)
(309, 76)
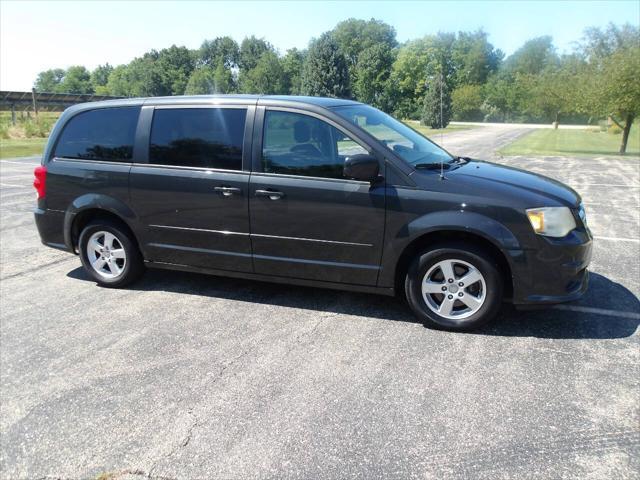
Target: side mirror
(363, 167)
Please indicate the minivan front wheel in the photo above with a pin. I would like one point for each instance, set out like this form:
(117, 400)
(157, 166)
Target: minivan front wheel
(455, 287)
(109, 255)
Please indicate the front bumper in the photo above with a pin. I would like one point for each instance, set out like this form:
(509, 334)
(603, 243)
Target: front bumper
(553, 272)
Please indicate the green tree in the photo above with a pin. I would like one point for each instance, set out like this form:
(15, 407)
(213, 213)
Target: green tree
(372, 81)
(325, 71)
(201, 82)
(355, 36)
(224, 80)
(267, 77)
(117, 83)
(175, 65)
(292, 64)
(142, 77)
(533, 57)
(100, 77)
(363, 57)
(147, 77)
(220, 49)
(610, 80)
(409, 77)
(417, 61)
(474, 58)
(554, 91)
(620, 98)
(504, 95)
(77, 79)
(49, 80)
(251, 50)
(598, 43)
(608, 84)
(466, 102)
(436, 111)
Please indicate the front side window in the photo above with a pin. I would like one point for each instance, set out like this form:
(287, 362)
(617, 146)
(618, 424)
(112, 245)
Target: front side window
(198, 137)
(297, 144)
(406, 142)
(101, 134)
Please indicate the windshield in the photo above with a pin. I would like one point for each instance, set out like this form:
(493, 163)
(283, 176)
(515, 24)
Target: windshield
(404, 141)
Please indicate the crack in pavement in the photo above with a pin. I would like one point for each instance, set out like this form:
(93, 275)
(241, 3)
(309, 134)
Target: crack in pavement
(114, 475)
(310, 333)
(180, 445)
(187, 438)
(195, 423)
(313, 330)
(38, 268)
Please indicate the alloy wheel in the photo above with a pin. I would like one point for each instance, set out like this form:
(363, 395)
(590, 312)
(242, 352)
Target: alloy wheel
(454, 289)
(106, 254)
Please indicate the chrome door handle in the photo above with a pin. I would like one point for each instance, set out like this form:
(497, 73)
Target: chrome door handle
(272, 194)
(227, 191)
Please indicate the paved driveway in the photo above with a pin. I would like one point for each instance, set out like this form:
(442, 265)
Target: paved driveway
(480, 142)
(188, 376)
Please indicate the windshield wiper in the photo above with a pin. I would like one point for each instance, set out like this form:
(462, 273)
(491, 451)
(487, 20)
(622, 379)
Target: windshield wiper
(462, 160)
(432, 166)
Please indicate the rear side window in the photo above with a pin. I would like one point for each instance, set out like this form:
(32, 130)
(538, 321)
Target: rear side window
(101, 134)
(198, 137)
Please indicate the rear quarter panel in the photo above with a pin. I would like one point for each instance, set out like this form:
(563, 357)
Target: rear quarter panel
(69, 179)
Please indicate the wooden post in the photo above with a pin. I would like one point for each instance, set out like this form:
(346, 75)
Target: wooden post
(13, 114)
(35, 103)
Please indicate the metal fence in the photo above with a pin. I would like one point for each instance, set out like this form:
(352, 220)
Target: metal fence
(39, 101)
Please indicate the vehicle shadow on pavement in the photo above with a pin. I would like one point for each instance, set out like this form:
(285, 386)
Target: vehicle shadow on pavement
(603, 294)
(621, 319)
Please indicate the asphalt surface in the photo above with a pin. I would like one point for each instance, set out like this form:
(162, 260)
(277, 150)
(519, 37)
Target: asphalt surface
(480, 142)
(189, 376)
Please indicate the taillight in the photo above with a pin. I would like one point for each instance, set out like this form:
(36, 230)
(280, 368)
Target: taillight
(40, 182)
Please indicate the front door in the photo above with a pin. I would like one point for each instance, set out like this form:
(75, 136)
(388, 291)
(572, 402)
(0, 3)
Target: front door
(307, 220)
(192, 197)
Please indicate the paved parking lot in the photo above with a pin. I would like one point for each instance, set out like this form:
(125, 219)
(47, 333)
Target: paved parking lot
(189, 376)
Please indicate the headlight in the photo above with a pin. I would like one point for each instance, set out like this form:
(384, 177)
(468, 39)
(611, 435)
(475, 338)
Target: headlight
(551, 221)
(582, 214)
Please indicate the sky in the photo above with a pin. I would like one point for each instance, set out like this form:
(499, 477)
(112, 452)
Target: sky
(36, 36)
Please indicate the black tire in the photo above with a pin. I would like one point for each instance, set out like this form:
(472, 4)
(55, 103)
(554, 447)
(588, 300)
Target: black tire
(478, 258)
(133, 267)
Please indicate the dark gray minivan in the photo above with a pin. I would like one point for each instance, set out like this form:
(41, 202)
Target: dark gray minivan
(310, 191)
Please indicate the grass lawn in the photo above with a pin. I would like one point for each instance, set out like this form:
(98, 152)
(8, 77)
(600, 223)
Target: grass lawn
(21, 147)
(573, 142)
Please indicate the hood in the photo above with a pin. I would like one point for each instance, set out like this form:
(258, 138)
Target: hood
(519, 182)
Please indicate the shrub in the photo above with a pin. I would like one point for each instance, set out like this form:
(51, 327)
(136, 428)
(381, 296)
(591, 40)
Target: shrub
(491, 113)
(467, 102)
(39, 127)
(436, 111)
(615, 129)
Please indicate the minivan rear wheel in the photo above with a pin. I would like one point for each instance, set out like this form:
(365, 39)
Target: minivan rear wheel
(454, 287)
(109, 254)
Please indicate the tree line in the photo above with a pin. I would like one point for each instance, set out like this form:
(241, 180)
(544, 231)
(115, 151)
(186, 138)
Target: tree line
(436, 78)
